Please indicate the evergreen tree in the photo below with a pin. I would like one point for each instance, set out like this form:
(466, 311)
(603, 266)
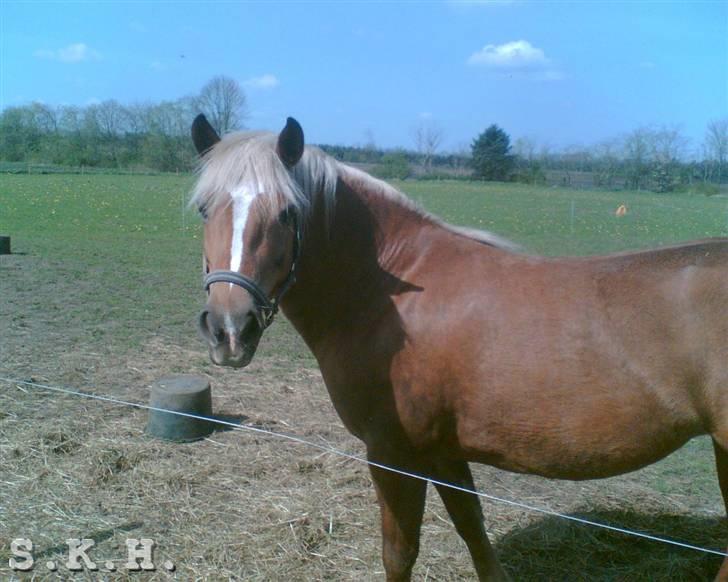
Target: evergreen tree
(492, 159)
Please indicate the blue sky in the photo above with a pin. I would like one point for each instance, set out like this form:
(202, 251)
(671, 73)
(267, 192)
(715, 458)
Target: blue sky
(561, 73)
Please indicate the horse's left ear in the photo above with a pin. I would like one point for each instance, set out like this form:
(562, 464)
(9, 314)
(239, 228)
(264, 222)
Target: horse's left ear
(203, 134)
(290, 143)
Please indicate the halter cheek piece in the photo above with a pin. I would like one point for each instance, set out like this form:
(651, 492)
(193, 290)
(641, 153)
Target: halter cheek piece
(265, 309)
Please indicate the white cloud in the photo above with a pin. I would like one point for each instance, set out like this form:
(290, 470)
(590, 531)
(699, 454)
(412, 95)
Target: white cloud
(157, 66)
(266, 81)
(517, 59)
(73, 53)
(518, 54)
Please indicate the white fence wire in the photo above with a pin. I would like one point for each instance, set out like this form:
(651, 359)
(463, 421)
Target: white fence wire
(331, 450)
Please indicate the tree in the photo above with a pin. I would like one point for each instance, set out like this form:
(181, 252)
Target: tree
(18, 134)
(637, 149)
(525, 148)
(223, 102)
(45, 117)
(428, 138)
(528, 168)
(606, 162)
(716, 144)
(394, 165)
(492, 159)
(111, 117)
(652, 158)
(668, 147)
(460, 159)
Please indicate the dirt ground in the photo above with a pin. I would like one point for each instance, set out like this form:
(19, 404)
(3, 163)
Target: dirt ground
(246, 506)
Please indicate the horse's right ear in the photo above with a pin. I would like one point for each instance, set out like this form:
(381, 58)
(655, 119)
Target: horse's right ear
(290, 143)
(203, 135)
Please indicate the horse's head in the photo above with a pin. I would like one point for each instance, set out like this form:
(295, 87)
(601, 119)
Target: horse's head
(252, 237)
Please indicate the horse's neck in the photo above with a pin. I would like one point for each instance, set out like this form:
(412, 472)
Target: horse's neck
(352, 263)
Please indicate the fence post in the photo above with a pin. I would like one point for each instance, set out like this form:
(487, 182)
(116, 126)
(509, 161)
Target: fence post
(573, 212)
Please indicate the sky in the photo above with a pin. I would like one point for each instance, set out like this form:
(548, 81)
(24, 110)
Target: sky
(559, 73)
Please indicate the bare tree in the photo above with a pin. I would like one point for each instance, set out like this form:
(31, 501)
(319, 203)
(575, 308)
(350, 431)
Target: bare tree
(525, 147)
(544, 155)
(428, 138)
(70, 118)
(652, 157)
(637, 152)
(138, 117)
(668, 145)
(112, 118)
(369, 146)
(45, 117)
(461, 159)
(606, 162)
(716, 144)
(224, 103)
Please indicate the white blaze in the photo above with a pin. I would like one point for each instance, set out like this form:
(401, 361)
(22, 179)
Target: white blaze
(242, 199)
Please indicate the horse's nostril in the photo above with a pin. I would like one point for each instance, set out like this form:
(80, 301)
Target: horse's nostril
(207, 328)
(249, 326)
(235, 332)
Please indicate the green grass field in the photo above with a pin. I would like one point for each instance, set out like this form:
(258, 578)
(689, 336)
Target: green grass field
(107, 264)
(132, 238)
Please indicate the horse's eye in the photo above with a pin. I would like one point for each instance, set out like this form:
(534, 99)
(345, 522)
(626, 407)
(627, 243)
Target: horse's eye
(287, 216)
(203, 212)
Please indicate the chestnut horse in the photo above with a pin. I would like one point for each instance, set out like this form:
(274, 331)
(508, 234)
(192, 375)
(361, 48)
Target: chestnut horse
(441, 345)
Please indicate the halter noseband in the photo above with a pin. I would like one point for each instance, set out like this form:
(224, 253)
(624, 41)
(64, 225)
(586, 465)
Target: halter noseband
(265, 309)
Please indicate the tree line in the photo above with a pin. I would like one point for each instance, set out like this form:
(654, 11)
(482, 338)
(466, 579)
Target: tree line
(155, 136)
(111, 135)
(647, 158)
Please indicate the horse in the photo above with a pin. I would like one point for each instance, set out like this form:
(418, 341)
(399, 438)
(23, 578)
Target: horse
(440, 345)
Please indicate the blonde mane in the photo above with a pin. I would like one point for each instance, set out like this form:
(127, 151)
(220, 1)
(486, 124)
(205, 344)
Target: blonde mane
(355, 176)
(251, 157)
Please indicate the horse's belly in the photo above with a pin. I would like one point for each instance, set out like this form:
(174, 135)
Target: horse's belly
(583, 443)
(574, 464)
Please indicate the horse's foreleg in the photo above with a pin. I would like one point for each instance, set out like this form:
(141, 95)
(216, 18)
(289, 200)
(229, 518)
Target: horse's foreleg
(402, 502)
(467, 515)
(721, 464)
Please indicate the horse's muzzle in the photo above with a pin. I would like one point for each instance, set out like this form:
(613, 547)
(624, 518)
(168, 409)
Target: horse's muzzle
(231, 340)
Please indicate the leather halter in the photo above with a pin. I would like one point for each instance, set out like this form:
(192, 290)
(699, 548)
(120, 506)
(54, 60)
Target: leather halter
(265, 309)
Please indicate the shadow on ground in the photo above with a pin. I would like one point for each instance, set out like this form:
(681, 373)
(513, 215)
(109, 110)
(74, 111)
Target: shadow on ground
(228, 419)
(556, 549)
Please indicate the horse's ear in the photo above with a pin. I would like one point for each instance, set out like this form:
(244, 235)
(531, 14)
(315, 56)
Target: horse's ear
(203, 135)
(290, 143)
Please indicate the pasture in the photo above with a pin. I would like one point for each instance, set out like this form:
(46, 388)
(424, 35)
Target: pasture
(102, 295)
